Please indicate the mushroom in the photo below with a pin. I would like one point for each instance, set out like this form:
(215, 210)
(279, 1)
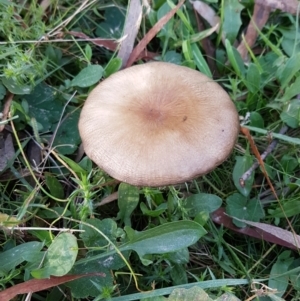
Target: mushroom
(158, 124)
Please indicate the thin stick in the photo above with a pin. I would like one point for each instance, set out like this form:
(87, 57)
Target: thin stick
(44, 229)
(269, 149)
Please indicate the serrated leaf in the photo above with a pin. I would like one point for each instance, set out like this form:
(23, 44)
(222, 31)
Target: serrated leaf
(242, 208)
(242, 164)
(232, 19)
(88, 76)
(128, 199)
(44, 106)
(11, 258)
(60, 257)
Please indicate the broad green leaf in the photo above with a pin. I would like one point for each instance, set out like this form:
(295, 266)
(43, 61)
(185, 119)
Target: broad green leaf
(165, 238)
(239, 206)
(194, 293)
(202, 202)
(112, 27)
(2, 91)
(15, 87)
(291, 113)
(113, 66)
(290, 69)
(181, 256)
(88, 51)
(232, 19)
(86, 163)
(88, 76)
(95, 262)
(280, 267)
(60, 257)
(235, 59)
(67, 136)
(253, 78)
(54, 55)
(227, 297)
(173, 57)
(199, 60)
(75, 166)
(178, 274)
(11, 258)
(291, 91)
(128, 199)
(92, 238)
(91, 286)
(42, 235)
(44, 106)
(242, 164)
(167, 30)
(290, 40)
(256, 120)
(287, 209)
(54, 185)
(288, 163)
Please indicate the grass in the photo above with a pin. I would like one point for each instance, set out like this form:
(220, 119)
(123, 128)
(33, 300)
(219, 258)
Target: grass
(60, 215)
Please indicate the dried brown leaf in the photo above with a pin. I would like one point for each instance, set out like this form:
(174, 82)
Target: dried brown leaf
(36, 285)
(151, 34)
(286, 6)
(111, 44)
(284, 235)
(259, 19)
(220, 217)
(206, 12)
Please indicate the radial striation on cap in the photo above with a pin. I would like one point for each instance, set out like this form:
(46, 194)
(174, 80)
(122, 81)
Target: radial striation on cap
(158, 124)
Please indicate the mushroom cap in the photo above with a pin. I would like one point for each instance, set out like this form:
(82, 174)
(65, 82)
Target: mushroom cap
(158, 124)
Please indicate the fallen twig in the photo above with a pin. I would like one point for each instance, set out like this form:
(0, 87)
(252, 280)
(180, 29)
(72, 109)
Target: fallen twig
(269, 149)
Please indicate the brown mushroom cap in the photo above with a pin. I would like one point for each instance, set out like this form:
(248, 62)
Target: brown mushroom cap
(158, 124)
